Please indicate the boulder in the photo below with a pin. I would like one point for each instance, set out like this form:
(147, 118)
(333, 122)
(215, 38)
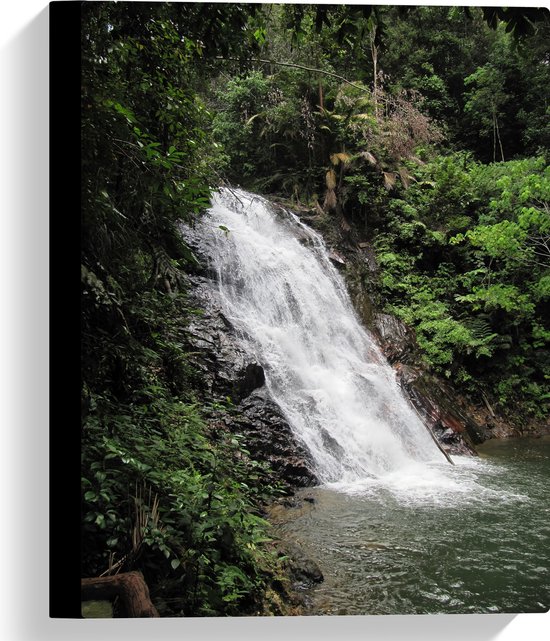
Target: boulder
(304, 570)
(270, 438)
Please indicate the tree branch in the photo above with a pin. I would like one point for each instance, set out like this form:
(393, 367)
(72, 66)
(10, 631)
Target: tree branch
(297, 66)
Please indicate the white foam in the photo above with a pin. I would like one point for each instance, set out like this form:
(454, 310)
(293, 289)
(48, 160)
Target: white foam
(467, 482)
(323, 368)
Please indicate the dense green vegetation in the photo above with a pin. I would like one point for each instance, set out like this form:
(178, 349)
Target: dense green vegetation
(424, 130)
(163, 489)
(463, 260)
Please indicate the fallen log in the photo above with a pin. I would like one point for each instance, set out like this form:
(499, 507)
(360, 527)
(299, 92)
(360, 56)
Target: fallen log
(130, 587)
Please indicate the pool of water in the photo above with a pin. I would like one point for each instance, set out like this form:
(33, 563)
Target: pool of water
(468, 538)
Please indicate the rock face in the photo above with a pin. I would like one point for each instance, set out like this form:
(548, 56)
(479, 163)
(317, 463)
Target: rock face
(270, 438)
(440, 409)
(397, 340)
(227, 370)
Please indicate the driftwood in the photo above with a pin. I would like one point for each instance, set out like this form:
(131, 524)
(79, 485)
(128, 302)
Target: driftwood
(487, 405)
(130, 587)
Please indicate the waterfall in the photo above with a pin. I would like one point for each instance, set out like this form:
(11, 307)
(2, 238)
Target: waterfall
(294, 315)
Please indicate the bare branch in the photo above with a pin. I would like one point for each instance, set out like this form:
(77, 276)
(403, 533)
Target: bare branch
(297, 66)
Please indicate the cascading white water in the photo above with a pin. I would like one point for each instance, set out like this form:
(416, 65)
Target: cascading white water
(280, 289)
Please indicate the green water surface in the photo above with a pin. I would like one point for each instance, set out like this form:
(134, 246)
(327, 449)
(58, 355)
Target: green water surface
(474, 539)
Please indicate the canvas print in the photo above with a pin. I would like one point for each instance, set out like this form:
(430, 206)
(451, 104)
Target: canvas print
(315, 304)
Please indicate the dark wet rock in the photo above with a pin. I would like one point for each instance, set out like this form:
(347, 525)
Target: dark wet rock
(397, 340)
(442, 410)
(363, 305)
(304, 571)
(368, 255)
(304, 237)
(448, 436)
(228, 370)
(248, 379)
(331, 444)
(269, 437)
(282, 506)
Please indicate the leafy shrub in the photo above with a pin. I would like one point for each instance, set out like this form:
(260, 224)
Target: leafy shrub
(478, 299)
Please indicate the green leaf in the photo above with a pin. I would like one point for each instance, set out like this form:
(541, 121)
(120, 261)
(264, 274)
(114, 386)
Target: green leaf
(260, 35)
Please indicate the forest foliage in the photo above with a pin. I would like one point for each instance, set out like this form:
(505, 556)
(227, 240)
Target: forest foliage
(435, 149)
(423, 129)
(163, 489)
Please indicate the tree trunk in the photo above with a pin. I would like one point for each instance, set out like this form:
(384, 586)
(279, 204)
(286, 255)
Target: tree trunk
(374, 55)
(496, 136)
(499, 140)
(129, 586)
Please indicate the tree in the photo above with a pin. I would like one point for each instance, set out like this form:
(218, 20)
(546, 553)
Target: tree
(158, 495)
(486, 102)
